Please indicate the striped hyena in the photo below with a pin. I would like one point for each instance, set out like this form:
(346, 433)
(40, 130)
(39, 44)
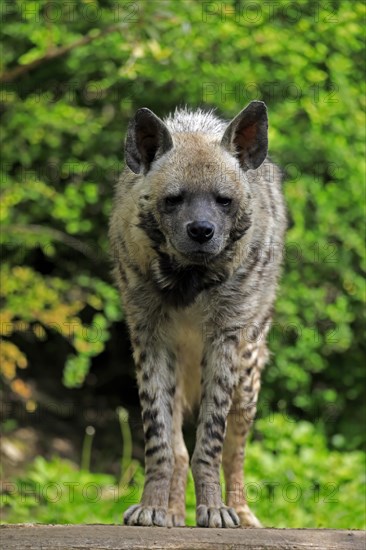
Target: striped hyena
(196, 233)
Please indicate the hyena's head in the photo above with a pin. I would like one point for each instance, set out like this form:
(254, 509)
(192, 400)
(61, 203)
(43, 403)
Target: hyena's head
(199, 199)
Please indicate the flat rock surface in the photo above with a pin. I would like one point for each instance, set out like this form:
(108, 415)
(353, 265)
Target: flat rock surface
(118, 537)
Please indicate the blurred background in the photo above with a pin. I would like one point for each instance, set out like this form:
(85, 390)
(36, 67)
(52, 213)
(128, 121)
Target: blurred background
(73, 74)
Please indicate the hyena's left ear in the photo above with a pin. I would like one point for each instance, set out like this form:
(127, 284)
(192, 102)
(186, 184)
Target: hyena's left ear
(247, 135)
(147, 139)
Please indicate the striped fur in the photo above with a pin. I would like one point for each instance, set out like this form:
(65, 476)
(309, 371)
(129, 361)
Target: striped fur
(198, 320)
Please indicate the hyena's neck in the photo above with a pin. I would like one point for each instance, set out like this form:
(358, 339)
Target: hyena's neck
(178, 285)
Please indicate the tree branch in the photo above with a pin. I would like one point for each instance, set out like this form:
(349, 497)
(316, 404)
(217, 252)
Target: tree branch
(55, 234)
(21, 70)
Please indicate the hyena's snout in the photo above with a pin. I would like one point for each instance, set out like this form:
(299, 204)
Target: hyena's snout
(201, 231)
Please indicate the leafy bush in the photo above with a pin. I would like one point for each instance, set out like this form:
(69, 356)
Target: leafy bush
(293, 480)
(70, 83)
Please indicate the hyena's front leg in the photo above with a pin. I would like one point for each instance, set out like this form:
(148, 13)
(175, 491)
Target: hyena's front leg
(177, 496)
(155, 365)
(218, 381)
(240, 419)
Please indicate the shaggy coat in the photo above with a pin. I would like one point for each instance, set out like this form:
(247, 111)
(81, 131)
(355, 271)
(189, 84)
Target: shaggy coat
(197, 234)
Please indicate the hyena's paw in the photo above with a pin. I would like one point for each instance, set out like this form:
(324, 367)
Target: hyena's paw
(174, 519)
(145, 515)
(216, 517)
(247, 518)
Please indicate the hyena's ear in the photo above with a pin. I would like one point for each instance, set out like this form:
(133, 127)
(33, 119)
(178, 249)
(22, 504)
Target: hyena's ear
(147, 139)
(247, 135)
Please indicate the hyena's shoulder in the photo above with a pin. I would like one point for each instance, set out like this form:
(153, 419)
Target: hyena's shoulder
(131, 249)
(266, 184)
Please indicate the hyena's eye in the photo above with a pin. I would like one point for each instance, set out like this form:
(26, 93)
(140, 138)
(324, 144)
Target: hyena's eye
(173, 200)
(223, 201)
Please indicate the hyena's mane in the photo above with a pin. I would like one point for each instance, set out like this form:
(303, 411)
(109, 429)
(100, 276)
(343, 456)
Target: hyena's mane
(187, 120)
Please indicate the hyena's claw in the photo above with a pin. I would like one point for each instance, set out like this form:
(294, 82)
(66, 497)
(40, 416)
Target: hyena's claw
(175, 520)
(128, 514)
(247, 518)
(216, 517)
(145, 515)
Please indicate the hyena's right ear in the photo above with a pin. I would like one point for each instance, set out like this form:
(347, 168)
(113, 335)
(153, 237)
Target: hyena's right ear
(147, 139)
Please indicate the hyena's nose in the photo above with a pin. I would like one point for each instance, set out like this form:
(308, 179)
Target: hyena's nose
(201, 231)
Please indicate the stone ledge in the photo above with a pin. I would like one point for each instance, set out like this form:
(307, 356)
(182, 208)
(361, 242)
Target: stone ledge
(118, 537)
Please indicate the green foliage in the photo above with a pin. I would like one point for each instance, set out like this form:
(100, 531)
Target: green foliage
(56, 491)
(292, 480)
(71, 81)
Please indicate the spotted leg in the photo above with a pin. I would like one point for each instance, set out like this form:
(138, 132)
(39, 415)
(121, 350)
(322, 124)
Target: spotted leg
(177, 500)
(218, 381)
(155, 366)
(240, 419)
